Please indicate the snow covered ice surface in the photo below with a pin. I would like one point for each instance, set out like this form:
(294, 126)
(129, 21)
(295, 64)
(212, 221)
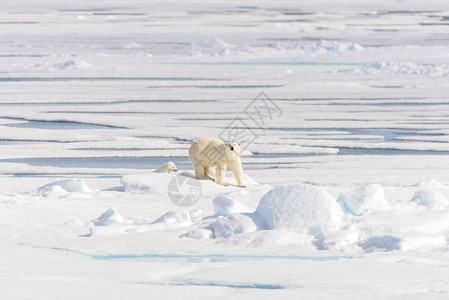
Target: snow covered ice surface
(346, 169)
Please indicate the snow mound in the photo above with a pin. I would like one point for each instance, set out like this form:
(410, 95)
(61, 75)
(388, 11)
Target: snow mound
(218, 47)
(146, 183)
(210, 46)
(325, 47)
(393, 68)
(430, 199)
(51, 190)
(363, 200)
(73, 65)
(302, 207)
(201, 234)
(109, 217)
(196, 215)
(381, 244)
(224, 206)
(74, 185)
(179, 218)
(319, 49)
(234, 224)
(133, 45)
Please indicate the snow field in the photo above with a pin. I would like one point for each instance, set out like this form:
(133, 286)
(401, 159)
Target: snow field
(357, 221)
(347, 188)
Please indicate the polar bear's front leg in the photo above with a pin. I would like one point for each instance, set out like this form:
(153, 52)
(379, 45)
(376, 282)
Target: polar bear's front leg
(221, 175)
(237, 170)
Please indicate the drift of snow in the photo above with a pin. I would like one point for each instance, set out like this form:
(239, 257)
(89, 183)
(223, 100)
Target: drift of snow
(363, 200)
(326, 47)
(109, 217)
(302, 207)
(218, 47)
(211, 46)
(430, 199)
(224, 206)
(179, 217)
(233, 224)
(272, 239)
(394, 68)
(200, 233)
(74, 185)
(73, 65)
(146, 183)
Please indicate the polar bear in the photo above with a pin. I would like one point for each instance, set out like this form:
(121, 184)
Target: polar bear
(209, 154)
(167, 168)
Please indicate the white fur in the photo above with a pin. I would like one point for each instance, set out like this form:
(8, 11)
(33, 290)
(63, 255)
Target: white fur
(210, 155)
(167, 168)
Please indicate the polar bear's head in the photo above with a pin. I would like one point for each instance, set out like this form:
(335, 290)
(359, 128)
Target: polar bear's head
(171, 167)
(232, 150)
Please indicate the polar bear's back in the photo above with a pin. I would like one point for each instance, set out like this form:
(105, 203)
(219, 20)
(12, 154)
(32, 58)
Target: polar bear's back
(204, 149)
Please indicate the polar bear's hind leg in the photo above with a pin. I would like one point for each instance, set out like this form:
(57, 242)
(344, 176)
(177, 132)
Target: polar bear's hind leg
(199, 171)
(207, 173)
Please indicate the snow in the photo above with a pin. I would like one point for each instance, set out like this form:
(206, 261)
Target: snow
(430, 199)
(224, 206)
(111, 216)
(146, 183)
(364, 200)
(381, 243)
(271, 239)
(200, 233)
(211, 46)
(74, 185)
(302, 207)
(233, 224)
(393, 68)
(181, 218)
(218, 47)
(73, 65)
(345, 166)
